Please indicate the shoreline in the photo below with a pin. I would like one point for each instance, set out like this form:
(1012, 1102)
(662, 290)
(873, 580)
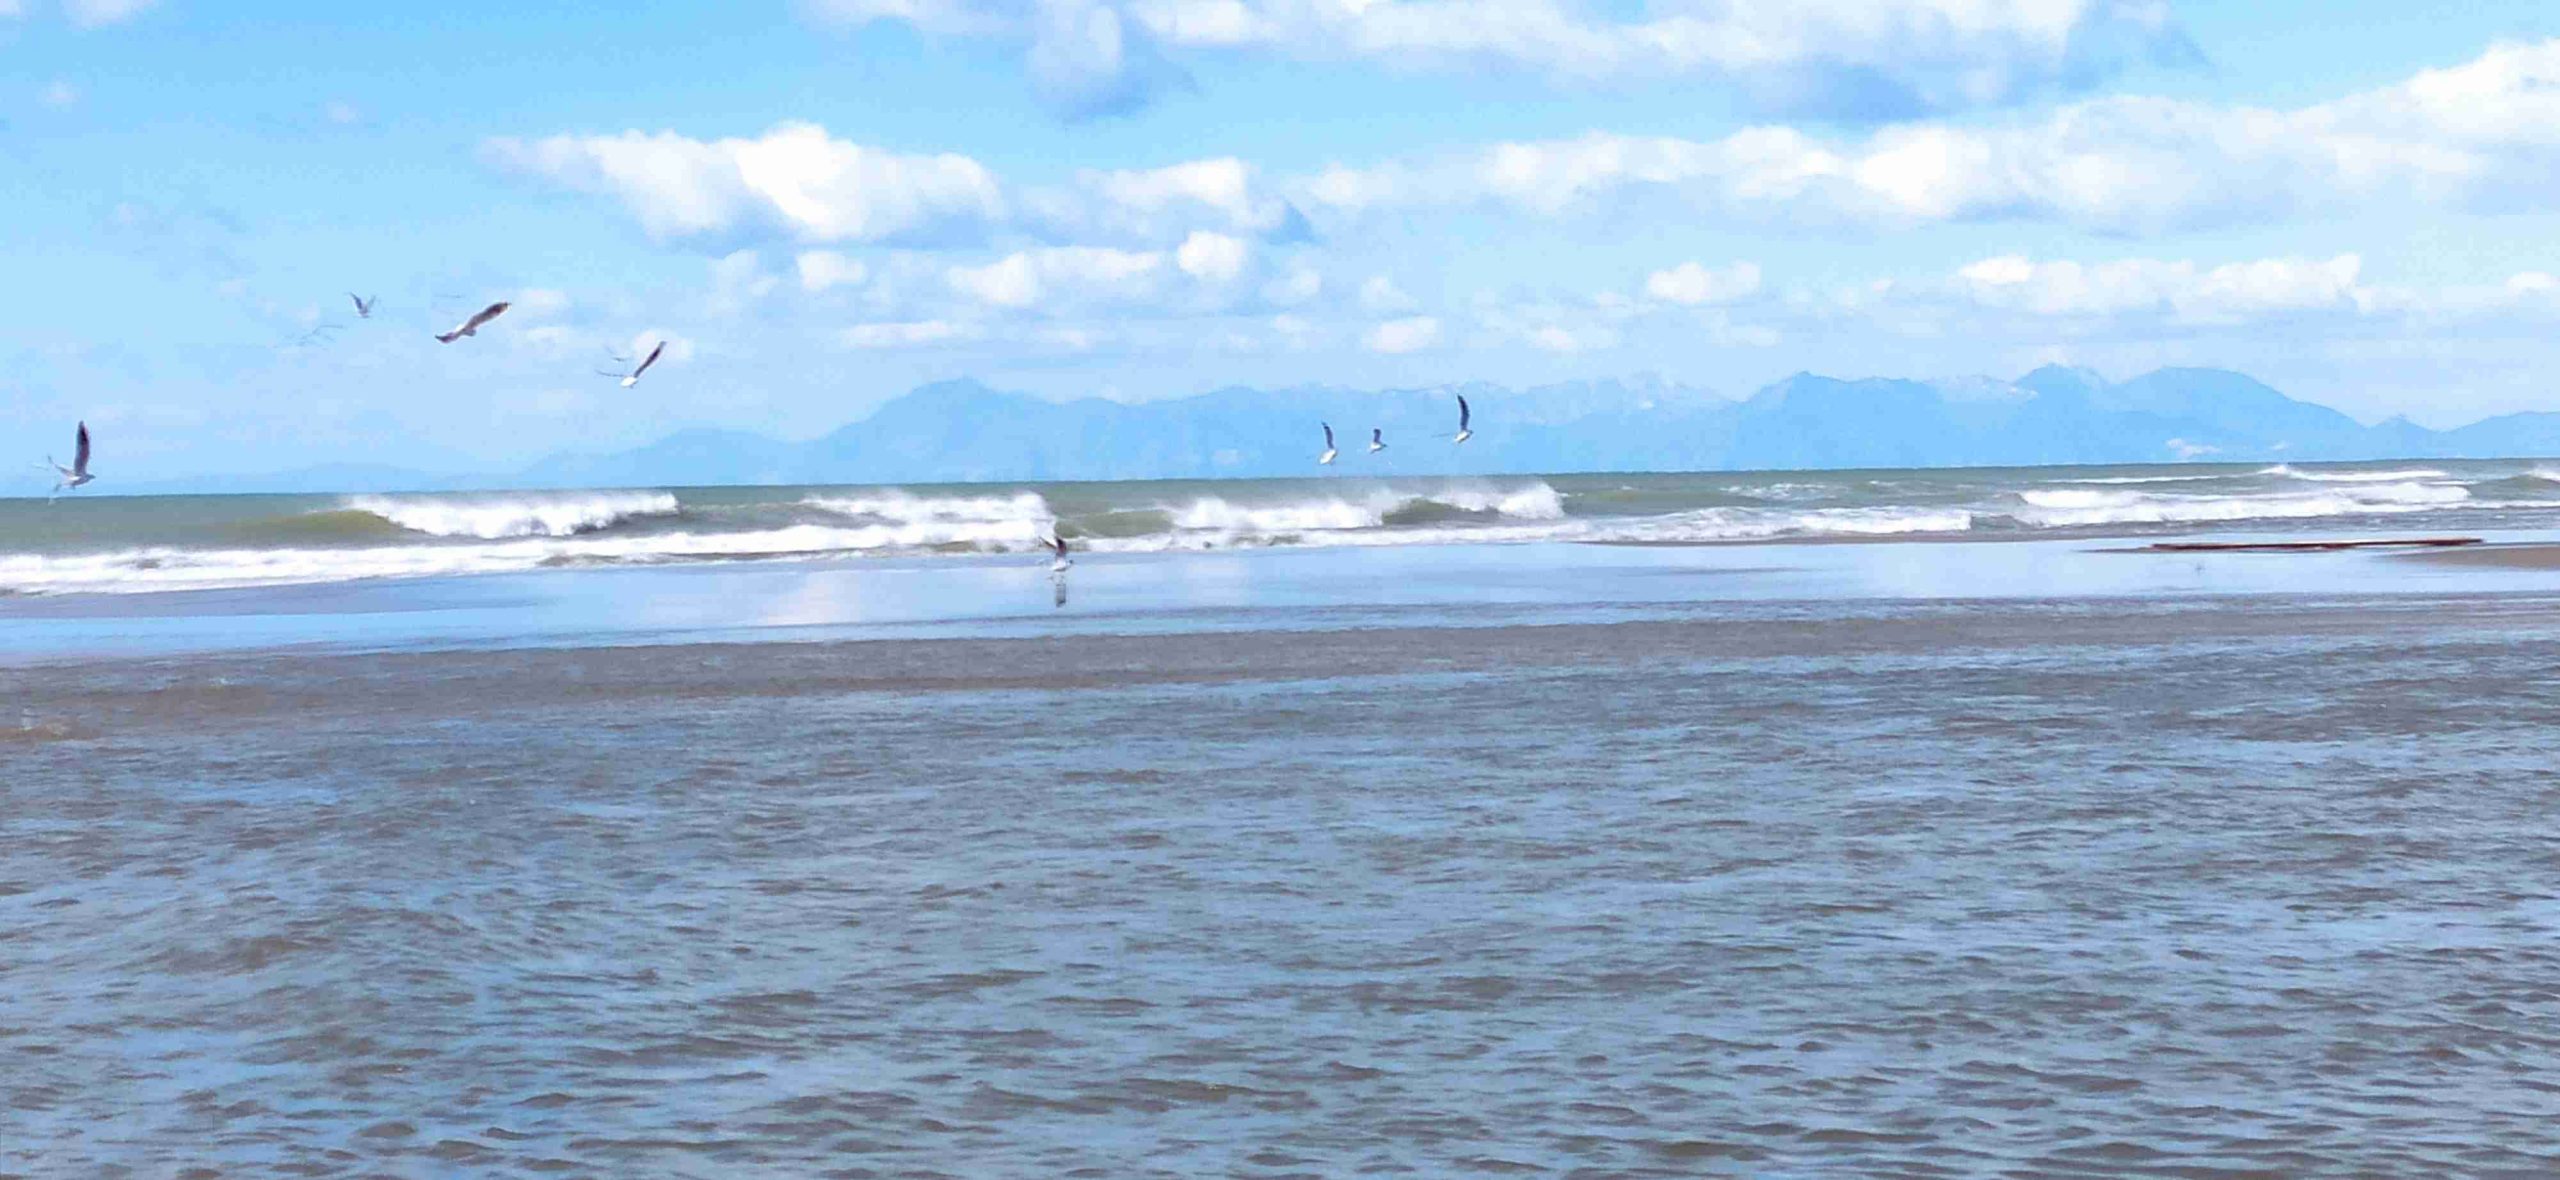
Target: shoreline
(1222, 592)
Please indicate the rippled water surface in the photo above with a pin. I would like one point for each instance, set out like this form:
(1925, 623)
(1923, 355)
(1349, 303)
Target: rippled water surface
(2095, 889)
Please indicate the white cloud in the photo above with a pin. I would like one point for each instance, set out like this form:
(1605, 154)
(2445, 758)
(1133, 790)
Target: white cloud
(341, 112)
(59, 95)
(1211, 257)
(2181, 290)
(91, 14)
(2532, 283)
(821, 269)
(908, 334)
(1298, 286)
(1224, 185)
(738, 280)
(1854, 57)
(1411, 334)
(1691, 284)
(1026, 278)
(538, 303)
(795, 179)
(12, 9)
(2484, 134)
(1559, 339)
(1380, 293)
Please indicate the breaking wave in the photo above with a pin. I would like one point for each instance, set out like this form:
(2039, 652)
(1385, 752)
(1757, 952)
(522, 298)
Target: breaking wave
(898, 519)
(2081, 507)
(492, 518)
(1378, 508)
(255, 541)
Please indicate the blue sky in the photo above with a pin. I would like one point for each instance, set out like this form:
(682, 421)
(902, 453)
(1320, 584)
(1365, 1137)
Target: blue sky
(823, 203)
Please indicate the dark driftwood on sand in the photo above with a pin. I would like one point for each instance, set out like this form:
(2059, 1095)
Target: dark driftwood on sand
(2311, 546)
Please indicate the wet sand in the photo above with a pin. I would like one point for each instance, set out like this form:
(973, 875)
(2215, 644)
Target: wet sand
(2151, 886)
(2502, 557)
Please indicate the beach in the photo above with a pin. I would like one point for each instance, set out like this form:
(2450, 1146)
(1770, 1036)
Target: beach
(1574, 859)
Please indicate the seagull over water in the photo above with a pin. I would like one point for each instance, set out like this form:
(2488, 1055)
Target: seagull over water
(1377, 440)
(78, 473)
(471, 327)
(633, 377)
(1059, 563)
(1463, 432)
(364, 306)
(1329, 452)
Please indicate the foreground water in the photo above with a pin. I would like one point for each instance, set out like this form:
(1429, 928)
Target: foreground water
(89, 544)
(1565, 859)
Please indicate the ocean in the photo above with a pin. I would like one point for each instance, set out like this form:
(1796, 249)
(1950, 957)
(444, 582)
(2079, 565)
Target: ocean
(1911, 824)
(105, 544)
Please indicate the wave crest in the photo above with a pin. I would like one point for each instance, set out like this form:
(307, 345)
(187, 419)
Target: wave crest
(497, 518)
(2083, 507)
(1376, 508)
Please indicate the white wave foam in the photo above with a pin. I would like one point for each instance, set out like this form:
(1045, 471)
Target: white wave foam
(897, 505)
(490, 518)
(1369, 510)
(1535, 502)
(142, 570)
(1701, 525)
(1213, 514)
(2076, 507)
(2289, 471)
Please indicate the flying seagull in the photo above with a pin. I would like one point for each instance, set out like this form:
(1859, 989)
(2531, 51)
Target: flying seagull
(78, 473)
(633, 377)
(1059, 563)
(1377, 440)
(471, 327)
(1329, 452)
(1463, 433)
(364, 306)
(319, 334)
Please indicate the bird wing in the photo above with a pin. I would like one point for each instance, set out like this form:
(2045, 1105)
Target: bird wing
(80, 457)
(653, 359)
(1061, 543)
(1462, 411)
(1377, 434)
(1328, 434)
(487, 314)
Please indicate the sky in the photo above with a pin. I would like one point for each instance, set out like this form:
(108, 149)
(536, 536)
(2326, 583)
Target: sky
(820, 204)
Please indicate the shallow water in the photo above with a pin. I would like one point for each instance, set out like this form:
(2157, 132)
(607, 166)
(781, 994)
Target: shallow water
(2069, 888)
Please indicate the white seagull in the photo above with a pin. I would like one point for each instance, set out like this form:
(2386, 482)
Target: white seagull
(364, 306)
(1463, 433)
(1377, 440)
(471, 327)
(633, 377)
(78, 473)
(1059, 563)
(1329, 452)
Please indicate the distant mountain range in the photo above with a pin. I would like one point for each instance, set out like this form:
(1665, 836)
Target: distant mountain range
(962, 431)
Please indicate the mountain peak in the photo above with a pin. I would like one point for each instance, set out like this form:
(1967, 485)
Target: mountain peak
(2062, 379)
